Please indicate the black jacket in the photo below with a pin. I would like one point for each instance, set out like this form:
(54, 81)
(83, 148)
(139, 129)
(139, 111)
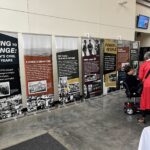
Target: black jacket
(132, 83)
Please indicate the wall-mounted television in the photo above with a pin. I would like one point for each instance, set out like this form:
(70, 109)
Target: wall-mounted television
(142, 22)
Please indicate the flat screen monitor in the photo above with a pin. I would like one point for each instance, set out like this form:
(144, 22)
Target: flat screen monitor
(142, 22)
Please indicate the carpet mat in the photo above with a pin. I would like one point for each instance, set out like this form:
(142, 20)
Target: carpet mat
(43, 142)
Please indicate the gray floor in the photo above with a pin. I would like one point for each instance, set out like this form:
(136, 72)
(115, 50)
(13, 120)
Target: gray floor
(97, 124)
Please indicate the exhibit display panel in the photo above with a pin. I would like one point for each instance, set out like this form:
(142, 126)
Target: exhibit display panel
(134, 55)
(91, 71)
(68, 69)
(122, 57)
(110, 62)
(128, 54)
(38, 71)
(75, 73)
(10, 88)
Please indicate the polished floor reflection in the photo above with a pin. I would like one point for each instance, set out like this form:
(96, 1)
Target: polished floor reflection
(96, 124)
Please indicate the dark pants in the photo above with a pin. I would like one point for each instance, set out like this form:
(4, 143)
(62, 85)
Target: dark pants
(143, 112)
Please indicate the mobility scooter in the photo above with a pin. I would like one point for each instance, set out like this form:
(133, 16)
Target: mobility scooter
(131, 106)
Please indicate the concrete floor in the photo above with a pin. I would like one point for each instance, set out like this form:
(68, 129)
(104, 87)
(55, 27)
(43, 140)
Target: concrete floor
(97, 124)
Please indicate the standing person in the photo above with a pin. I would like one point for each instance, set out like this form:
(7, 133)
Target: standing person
(145, 96)
(84, 48)
(97, 47)
(90, 47)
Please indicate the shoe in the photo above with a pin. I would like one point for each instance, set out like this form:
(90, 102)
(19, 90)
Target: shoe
(141, 120)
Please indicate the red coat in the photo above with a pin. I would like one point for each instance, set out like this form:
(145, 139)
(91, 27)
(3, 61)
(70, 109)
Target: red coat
(145, 97)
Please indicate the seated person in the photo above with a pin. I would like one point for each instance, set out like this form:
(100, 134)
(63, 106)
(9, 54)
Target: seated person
(131, 80)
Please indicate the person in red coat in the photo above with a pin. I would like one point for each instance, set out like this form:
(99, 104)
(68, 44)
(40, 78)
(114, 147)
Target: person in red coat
(145, 96)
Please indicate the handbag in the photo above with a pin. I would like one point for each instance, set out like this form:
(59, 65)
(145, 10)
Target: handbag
(140, 86)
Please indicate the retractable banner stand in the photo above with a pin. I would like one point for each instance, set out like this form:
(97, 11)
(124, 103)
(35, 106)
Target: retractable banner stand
(38, 72)
(68, 69)
(110, 53)
(92, 81)
(10, 89)
(123, 59)
(134, 55)
(123, 55)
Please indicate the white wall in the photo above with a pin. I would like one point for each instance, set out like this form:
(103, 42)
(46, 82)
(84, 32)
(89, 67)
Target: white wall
(144, 37)
(140, 9)
(99, 18)
(117, 20)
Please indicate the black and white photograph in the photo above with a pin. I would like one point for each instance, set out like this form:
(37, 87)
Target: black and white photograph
(90, 47)
(97, 47)
(37, 86)
(63, 82)
(112, 77)
(68, 92)
(11, 106)
(135, 65)
(63, 89)
(90, 87)
(68, 97)
(86, 91)
(91, 77)
(4, 89)
(74, 87)
(35, 103)
(124, 64)
(84, 48)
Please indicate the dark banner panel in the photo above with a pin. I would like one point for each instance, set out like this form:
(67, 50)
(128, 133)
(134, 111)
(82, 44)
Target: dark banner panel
(10, 89)
(109, 63)
(92, 80)
(110, 54)
(134, 56)
(68, 74)
(134, 59)
(122, 57)
(121, 78)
